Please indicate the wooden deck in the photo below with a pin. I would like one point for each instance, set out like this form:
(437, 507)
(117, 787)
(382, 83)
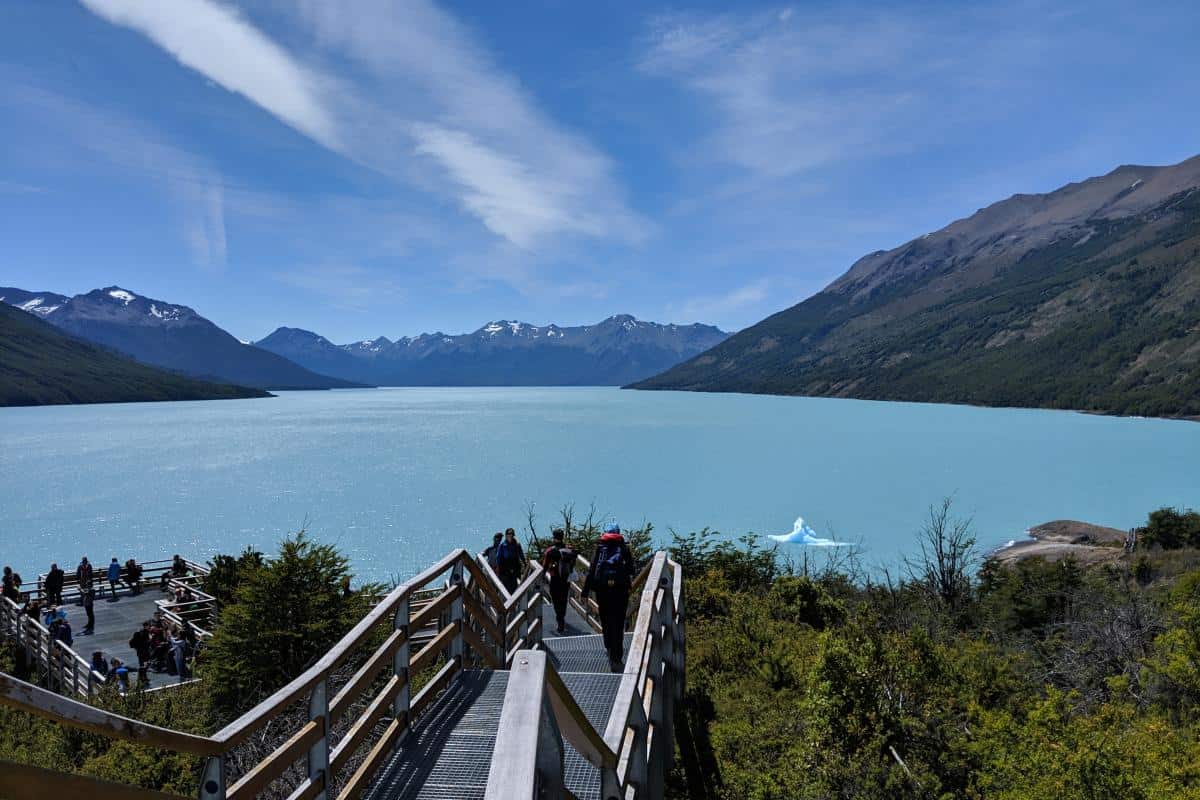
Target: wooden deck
(116, 621)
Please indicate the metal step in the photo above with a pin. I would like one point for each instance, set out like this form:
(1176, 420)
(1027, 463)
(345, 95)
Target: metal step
(580, 653)
(449, 753)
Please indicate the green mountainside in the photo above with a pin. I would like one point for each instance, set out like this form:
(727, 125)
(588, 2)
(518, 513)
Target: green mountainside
(39, 365)
(1086, 298)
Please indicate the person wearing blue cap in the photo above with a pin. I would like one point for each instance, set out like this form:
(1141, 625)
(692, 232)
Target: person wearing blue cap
(610, 577)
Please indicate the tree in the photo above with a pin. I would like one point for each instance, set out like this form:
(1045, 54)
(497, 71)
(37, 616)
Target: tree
(285, 615)
(948, 556)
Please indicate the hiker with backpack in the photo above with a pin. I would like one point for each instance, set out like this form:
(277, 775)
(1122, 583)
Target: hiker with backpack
(611, 577)
(559, 562)
(511, 560)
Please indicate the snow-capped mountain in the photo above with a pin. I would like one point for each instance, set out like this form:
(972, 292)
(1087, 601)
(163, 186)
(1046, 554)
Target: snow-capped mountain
(619, 350)
(166, 335)
(38, 303)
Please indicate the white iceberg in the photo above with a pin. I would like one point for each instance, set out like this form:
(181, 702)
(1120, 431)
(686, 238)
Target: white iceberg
(803, 534)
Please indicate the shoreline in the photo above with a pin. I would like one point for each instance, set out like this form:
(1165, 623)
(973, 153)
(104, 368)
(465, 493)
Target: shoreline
(1064, 538)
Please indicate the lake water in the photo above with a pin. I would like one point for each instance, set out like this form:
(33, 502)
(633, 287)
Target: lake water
(397, 477)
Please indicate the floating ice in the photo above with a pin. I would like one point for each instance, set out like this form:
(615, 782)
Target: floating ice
(803, 534)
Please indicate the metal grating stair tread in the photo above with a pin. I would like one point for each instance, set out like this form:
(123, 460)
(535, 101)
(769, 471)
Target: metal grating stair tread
(449, 753)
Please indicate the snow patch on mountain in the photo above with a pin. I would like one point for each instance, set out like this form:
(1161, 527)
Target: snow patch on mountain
(122, 295)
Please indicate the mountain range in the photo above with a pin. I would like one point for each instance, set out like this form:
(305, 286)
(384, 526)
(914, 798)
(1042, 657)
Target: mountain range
(1087, 297)
(166, 335)
(41, 365)
(618, 350)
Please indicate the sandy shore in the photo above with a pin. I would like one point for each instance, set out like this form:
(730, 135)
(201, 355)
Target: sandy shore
(1086, 543)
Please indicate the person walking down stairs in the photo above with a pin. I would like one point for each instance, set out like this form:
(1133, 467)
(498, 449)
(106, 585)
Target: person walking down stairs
(610, 578)
(559, 562)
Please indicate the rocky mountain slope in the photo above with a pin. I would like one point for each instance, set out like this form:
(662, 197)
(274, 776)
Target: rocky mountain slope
(166, 335)
(618, 350)
(40, 365)
(1087, 297)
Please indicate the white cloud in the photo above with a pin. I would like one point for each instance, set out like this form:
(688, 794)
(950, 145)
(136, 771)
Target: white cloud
(793, 91)
(216, 41)
(719, 308)
(404, 89)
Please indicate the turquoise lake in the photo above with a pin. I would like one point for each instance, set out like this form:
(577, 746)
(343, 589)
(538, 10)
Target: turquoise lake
(397, 477)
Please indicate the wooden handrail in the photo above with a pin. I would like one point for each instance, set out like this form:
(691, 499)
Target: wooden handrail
(238, 730)
(25, 782)
(476, 604)
(41, 702)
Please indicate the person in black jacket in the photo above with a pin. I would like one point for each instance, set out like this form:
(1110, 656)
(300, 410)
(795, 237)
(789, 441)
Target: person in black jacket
(54, 585)
(610, 578)
(559, 562)
(511, 558)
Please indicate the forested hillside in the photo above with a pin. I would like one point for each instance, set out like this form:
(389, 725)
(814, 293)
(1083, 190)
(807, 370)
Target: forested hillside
(41, 366)
(1079, 299)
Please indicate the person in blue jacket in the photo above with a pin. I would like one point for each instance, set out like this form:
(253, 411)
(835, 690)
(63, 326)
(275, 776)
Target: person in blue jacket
(114, 576)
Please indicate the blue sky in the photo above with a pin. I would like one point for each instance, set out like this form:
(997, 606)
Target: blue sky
(367, 167)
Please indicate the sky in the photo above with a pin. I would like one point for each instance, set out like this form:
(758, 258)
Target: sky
(390, 167)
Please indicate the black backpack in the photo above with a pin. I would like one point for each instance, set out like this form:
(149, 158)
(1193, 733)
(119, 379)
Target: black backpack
(611, 570)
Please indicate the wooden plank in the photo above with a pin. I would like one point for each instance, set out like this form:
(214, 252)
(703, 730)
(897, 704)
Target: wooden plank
(365, 723)
(241, 728)
(431, 612)
(513, 771)
(436, 646)
(573, 724)
(486, 580)
(309, 789)
(431, 689)
(366, 771)
(475, 643)
(367, 673)
(481, 616)
(23, 782)
(626, 692)
(534, 576)
(48, 705)
(277, 763)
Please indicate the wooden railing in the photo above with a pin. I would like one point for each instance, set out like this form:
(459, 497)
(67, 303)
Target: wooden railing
(153, 573)
(57, 664)
(357, 701)
(635, 751)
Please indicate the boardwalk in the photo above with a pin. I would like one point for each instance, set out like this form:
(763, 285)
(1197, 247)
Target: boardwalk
(456, 689)
(116, 620)
(449, 752)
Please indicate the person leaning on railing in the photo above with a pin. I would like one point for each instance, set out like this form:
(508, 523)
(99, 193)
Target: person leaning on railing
(54, 585)
(178, 569)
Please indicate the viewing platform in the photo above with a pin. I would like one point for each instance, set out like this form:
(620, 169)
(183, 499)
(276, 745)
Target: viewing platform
(67, 668)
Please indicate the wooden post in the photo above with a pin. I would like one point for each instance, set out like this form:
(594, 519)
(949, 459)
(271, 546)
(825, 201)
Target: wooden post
(212, 781)
(528, 758)
(400, 662)
(456, 611)
(318, 754)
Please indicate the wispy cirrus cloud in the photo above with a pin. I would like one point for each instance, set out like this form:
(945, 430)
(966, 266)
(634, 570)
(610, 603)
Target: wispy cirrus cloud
(790, 91)
(196, 188)
(217, 41)
(347, 287)
(722, 306)
(406, 90)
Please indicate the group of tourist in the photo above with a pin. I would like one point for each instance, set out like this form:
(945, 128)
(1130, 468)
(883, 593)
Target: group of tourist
(161, 645)
(610, 578)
